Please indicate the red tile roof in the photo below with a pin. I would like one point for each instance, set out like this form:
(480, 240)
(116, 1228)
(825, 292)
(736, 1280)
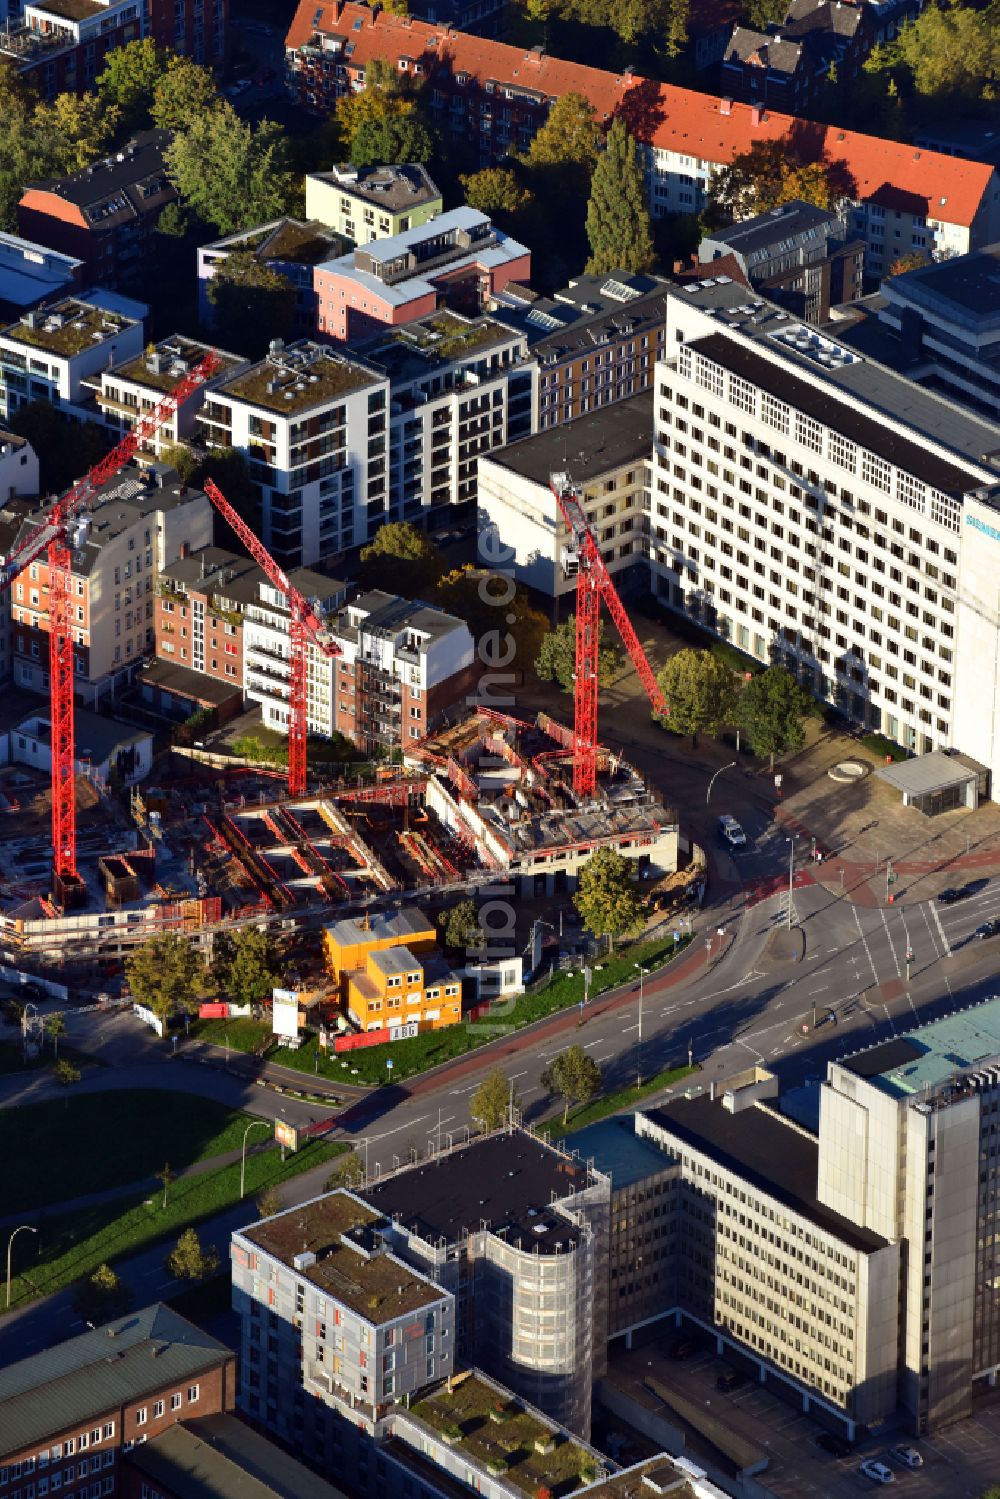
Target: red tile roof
(887, 172)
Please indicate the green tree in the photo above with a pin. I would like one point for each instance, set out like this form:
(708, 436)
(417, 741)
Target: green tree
(401, 559)
(574, 1076)
(232, 174)
(128, 81)
(490, 1103)
(771, 173)
(570, 136)
(914, 260)
(678, 17)
(185, 89)
(606, 895)
(172, 222)
(951, 52)
(556, 661)
(460, 925)
(179, 457)
(77, 129)
(392, 140)
(166, 975)
(166, 1176)
(700, 692)
(66, 1075)
(762, 13)
(349, 1172)
(771, 711)
(188, 1260)
(496, 191)
(102, 1296)
(55, 1026)
(250, 301)
(269, 1202)
(386, 93)
(618, 223)
(246, 965)
(66, 449)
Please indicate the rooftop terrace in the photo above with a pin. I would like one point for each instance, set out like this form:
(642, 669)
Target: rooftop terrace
(299, 378)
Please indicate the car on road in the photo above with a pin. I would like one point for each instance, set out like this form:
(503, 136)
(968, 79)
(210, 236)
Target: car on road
(948, 895)
(988, 929)
(908, 1456)
(731, 1379)
(829, 1441)
(730, 832)
(876, 1471)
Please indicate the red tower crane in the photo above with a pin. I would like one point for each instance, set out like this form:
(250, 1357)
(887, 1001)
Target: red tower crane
(306, 627)
(55, 536)
(593, 583)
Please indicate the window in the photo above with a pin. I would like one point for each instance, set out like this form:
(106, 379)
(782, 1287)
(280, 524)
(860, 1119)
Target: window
(157, 1409)
(877, 472)
(775, 413)
(175, 1401)
(808, 432)
(140, 1416)
(193, 1393)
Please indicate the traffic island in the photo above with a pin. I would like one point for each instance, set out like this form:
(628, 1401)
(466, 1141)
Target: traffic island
(786, 945)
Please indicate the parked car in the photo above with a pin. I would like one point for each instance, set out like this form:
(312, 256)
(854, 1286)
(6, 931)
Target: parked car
(908, 1456)
(836, 1446)
(731, 1379)
(876, 1471)
(988, 929)
(948, 895)
(730, 832)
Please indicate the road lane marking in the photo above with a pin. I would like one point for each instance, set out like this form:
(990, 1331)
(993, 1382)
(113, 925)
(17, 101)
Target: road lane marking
(944, 940)
(864, 940)
(892, 945)
(410, 1124)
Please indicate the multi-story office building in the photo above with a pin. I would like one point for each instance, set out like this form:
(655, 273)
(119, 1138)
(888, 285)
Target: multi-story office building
(749, 1249)
(49, 353)
(610, 451)
(816, 508)
(459, 388)
(104, 214)
(366, 203)
(908, 1145)
(458, 257)
(498, 96)
(69, 1414)
(267, 653)
(596, 341)
(290, 247)
(402, 666)
(142, 520)
(313, 425)
(132, 387)
(517, 1232)
(798, 254)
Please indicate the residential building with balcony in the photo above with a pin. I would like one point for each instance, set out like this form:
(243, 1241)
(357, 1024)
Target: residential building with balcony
(198, 615)
(457, 257)
(799, 255)
(60, 46)
(610, 450)
(13, 513)
(70, 1415)
(131, 388)
(104, 214)
(142, 520)
(267, 653)
(31, 273)
(391, 976)
(290, 247)
(498, 95)
(49, 353)
(366, 203)
(313, 425)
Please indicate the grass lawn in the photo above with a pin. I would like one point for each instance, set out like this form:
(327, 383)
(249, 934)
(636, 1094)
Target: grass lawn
(74, 1244)
(613, 1103)
(416, 1055)
(89, 1142)
(244, 1034)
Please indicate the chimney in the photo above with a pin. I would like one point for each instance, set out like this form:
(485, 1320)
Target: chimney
(758, 114)
(725, 106)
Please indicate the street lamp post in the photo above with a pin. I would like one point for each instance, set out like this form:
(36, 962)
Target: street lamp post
(791, 877)
(638, 1059)
(712, 782)
(10, 1244)
(254, 1124)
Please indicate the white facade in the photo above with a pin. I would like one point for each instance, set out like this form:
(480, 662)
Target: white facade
(855, 550)
(134, 387)
(18, 467)
(30, 743)
(267, 667)
(48, 354)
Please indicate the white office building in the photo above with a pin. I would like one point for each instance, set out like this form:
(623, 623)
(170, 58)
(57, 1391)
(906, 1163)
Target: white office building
(814, 507)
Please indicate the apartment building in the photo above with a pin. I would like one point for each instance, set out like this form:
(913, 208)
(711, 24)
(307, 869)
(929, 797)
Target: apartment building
(596, 341)
(313, 426)
(798, 255)
(517, 1231)
(13, 513)
(290, 247)
(391, 976)
(610, 451)
(402, 666)
(814, 507)
(198, 614)
(788, 63)
(908, 1147)
(61, 48)
(458, 257)
(69, 1415)
(459, 387)
(267, 653)
(760, 1260)
(130, 388)
(30, 274)
(142, 520)
(48, 354)
(499, 95)
(198, 29)
(104, 214)
(379, 202)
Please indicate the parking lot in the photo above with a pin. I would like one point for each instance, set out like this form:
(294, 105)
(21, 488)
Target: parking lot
(960, 1462)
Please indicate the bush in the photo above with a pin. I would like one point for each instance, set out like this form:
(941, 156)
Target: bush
(885, 748)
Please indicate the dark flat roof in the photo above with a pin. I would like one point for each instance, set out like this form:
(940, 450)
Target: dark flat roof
(775, 1156)
(186, 682)
(219, 1457)
(619, 1152)
(504, 1180)
(818, 400)
(878, 1059)
(596, 443)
